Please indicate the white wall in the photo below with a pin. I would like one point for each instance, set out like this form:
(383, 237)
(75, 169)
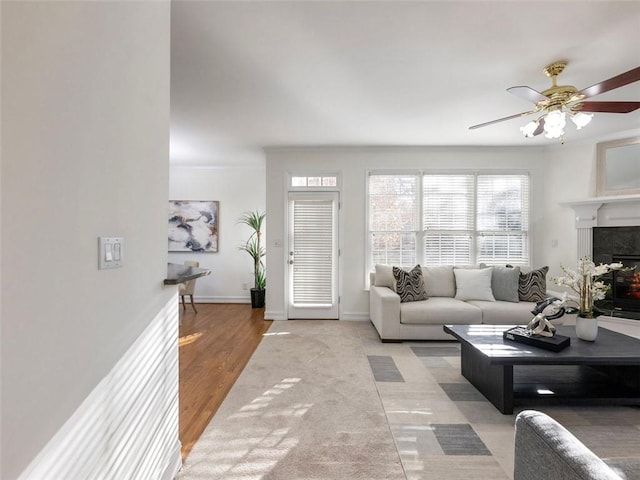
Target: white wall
(85, 131)
(238, 189)
(353, 163)
(1, 154)
(570, 176)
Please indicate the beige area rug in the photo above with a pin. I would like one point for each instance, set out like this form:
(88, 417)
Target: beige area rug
(306, 406)
(326, 400)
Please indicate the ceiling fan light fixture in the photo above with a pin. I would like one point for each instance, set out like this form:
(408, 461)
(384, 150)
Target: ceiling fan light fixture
(528, 129)
(581, 119)
(554, 124)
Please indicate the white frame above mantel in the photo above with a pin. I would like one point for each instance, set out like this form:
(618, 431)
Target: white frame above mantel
(611, 211)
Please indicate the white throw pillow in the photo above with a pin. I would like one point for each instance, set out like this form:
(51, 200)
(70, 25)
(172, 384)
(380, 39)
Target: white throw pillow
(439, 281)
(473, 284)
(384, 277)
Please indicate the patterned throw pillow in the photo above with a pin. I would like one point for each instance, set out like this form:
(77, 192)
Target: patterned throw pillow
(410, 285)
(533, 285)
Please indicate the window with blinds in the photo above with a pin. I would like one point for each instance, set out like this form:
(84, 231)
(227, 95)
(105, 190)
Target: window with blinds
(448, 219)
(445, 219)
(393, 219)
(502, 219)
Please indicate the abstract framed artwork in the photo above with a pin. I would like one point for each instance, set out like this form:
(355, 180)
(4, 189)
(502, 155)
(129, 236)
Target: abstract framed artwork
(193, 226)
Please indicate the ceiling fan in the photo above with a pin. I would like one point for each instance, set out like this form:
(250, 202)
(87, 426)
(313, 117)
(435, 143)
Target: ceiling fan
(558, 101)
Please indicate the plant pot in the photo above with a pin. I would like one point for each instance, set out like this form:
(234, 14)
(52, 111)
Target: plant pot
(257, 297)
(587, 328)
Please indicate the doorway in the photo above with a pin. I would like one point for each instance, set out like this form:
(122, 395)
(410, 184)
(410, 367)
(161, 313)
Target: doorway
(313, 255)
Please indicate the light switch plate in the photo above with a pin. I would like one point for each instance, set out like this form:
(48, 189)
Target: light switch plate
(110, 252)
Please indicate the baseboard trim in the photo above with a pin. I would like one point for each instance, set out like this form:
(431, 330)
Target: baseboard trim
(354, 316)
(209, 299)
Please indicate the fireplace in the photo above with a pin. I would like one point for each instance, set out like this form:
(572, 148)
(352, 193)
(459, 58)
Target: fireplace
(608, 227)
(626, 285)
(619, 244)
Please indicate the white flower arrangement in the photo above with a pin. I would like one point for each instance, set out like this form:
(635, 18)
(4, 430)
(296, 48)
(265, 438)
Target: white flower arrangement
(584, 282)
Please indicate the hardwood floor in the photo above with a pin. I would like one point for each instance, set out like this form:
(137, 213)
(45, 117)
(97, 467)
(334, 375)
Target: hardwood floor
(215, 345)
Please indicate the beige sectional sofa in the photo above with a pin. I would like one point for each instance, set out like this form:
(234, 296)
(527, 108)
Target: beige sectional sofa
(423, 319)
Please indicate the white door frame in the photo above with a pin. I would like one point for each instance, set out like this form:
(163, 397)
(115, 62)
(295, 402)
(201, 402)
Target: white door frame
(332, 312)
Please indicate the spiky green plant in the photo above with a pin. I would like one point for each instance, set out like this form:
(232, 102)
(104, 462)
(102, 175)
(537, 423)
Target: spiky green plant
(253, 247)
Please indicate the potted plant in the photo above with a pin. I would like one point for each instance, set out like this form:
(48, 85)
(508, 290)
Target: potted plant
(254, 248)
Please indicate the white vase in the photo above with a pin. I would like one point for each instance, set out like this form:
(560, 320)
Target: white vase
(587, 328)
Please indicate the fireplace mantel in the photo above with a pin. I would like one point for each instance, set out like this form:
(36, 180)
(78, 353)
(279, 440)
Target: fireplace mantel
(613, 211)
(618, 211)
(610, 199)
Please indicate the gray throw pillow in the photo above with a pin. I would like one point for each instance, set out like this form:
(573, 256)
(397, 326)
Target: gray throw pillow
(505, 282)
(410, 285)
(533, 285)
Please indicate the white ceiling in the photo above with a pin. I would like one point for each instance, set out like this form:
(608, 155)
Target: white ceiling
(247, 75)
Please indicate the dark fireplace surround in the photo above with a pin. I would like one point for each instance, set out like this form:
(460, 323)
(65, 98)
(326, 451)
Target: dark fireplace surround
(619, 244)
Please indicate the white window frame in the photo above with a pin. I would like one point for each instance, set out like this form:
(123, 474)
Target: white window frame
(479, 233)
(417, 232)
(317, 188)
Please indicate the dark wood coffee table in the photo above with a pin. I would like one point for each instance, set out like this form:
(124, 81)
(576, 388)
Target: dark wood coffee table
(604, 372)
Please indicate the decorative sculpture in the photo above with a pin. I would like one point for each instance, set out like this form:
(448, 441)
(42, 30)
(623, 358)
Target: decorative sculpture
(549, 309)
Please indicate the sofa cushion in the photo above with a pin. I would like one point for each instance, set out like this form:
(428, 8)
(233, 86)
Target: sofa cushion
(439, 281)
(439, 311)
(505, 282)
(410, 285)
(384, 277)
(473, 284)
(504, 313)
(533, 285)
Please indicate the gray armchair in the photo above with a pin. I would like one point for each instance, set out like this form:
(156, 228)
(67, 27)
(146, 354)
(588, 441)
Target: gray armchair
(544, 449)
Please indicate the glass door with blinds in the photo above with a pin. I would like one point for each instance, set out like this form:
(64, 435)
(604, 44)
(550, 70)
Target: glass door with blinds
(313, 255)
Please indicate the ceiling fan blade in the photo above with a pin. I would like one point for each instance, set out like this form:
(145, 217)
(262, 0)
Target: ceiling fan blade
(528, 93)
(612, 83)
(473, 127)
(610, 107)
